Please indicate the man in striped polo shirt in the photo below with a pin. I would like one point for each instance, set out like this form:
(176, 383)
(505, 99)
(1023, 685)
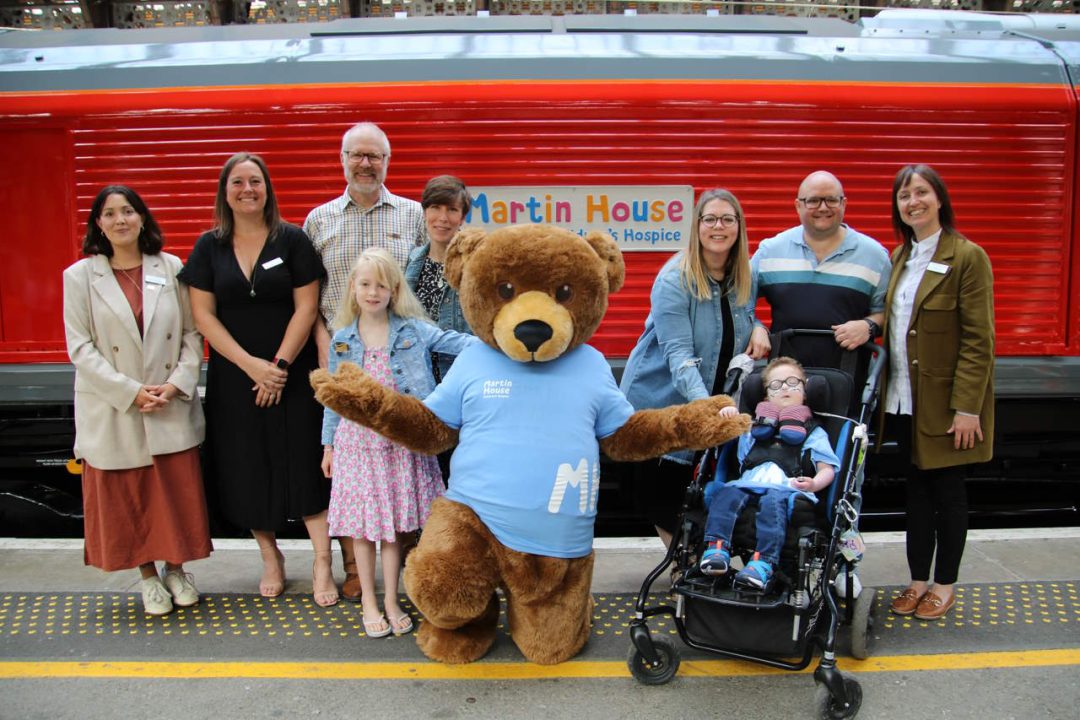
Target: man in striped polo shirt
(822, 274)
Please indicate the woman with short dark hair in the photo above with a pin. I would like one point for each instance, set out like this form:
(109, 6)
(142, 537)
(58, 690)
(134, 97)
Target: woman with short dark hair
(138, 419)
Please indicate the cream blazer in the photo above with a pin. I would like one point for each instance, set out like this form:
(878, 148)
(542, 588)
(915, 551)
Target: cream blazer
(112, 362)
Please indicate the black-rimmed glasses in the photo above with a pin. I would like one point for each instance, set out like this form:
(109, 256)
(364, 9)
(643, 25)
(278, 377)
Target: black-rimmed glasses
(831, 202)
(792, 383)
(725, 221)
(358, 157)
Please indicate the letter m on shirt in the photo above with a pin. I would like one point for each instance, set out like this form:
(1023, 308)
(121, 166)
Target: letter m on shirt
(587, 483)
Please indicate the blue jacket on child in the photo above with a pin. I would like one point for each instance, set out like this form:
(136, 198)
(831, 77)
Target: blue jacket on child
(411, 342)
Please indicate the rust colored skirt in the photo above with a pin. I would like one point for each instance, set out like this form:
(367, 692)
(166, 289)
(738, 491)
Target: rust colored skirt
(146, 514)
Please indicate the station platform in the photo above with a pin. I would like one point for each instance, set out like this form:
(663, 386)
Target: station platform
(1011, 580)
(1017, 612)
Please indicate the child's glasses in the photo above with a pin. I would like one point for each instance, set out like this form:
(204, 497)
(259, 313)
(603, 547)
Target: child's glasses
(793, 383)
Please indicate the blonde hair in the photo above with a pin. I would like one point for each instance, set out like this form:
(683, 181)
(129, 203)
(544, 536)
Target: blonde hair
(737, 268)
(403, 302)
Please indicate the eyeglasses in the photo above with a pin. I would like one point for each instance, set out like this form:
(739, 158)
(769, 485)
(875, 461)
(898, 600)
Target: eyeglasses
(358, 157)
(726, 221)
(815, 202)
(792, 383)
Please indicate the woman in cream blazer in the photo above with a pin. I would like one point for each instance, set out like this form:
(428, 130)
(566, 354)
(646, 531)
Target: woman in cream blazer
(138, 417)
(939, 397)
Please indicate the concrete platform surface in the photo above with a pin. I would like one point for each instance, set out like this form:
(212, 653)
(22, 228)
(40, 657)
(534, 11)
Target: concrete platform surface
(992, 556)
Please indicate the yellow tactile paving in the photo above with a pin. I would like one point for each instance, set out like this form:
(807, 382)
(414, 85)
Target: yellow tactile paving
(1045, 604)
(1038, 604)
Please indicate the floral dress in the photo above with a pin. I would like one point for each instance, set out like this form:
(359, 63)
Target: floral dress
(379, 487)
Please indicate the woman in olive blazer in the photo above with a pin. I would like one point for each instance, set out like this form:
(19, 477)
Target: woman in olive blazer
(939, 397)
(138, 417)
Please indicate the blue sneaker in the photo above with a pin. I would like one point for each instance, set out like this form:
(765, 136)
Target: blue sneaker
(757, 574)
(715, 560)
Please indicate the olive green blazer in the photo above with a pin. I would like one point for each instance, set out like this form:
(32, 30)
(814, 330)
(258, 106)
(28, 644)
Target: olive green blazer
(950, 348)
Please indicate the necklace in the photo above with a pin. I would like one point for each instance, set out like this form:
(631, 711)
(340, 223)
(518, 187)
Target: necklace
(125, 271)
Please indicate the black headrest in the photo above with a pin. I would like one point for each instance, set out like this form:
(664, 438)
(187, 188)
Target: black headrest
(818, 392)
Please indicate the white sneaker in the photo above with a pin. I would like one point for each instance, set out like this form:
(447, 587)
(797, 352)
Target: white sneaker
(155, 597)
(182, 588)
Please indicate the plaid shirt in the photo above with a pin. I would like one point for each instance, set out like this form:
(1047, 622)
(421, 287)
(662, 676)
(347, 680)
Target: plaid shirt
(340, 231)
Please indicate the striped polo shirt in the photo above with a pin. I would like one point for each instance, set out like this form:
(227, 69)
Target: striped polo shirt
(805, 293)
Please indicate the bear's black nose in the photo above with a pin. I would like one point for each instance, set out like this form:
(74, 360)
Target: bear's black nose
(533, 334)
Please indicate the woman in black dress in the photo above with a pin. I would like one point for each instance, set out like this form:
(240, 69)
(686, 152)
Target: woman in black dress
(254, 283)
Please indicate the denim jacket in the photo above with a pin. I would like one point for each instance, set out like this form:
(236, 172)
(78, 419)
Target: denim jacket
(450, 315)
(411, 342)
(675, 359)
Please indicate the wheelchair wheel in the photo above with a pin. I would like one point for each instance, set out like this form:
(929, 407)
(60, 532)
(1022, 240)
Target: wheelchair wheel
(660, 673)
(829, 709)
(862, 623)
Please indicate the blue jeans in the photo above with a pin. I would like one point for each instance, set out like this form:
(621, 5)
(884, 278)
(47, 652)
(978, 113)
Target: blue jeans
(772, 514)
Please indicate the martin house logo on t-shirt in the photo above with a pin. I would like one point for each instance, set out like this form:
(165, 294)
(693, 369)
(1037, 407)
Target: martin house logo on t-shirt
(497, 388)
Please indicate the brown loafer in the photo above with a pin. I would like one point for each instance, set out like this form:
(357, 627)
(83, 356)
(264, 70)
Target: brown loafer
(350, 589)
(906, 602)
(931, 607)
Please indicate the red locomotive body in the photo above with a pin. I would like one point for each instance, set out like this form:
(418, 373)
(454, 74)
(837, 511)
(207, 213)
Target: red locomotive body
(555, 102)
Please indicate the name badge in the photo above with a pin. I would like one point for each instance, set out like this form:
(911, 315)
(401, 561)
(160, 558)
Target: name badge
(938, 268)
(154, 279)
(272, 263)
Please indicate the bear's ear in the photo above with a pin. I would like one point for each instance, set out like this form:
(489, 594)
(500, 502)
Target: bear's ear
(461, 246)
(605, 246)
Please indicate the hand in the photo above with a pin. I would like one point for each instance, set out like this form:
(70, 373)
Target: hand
(265, 398)
(965, 429)
(266, 376)
(327, 463)
(159, 396)
(759, 346)
(729, 410)
(806, 484)
(145, 401)
(852, 334)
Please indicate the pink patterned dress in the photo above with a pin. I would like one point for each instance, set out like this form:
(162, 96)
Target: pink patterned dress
(379, 488)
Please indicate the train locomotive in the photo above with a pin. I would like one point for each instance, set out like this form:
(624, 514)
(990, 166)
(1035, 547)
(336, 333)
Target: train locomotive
(750, 103)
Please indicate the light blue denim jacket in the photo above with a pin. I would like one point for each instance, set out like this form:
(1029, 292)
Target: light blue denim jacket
(675, 359)
(411, 342)
(450, 315)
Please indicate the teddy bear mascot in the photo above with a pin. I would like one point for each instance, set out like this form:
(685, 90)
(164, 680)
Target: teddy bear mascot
(530, 407)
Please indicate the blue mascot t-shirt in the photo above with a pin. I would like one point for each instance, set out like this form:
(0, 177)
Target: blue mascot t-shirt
(528, 460)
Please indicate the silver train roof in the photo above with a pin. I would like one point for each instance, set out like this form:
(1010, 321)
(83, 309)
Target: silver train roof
(895, 46)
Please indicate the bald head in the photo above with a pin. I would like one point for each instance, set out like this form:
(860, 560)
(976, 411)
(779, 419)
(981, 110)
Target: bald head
(821, 223)
(820, 179)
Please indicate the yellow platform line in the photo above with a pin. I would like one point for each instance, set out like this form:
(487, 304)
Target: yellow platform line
(507, 670)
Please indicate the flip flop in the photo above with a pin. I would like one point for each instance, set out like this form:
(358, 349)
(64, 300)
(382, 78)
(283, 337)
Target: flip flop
(400, 629)
(372, 629)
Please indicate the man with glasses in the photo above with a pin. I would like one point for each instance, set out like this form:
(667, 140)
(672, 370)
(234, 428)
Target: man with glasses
(367, 215)
(822, 274)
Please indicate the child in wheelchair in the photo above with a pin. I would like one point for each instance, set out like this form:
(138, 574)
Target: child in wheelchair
(785, 453)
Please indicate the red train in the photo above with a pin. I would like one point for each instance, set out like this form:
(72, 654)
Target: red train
(748, 103)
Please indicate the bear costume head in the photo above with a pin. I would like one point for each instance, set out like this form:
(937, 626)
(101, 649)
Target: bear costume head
(538, 304)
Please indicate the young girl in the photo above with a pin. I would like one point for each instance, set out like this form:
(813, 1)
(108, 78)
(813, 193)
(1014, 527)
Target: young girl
(380, 489)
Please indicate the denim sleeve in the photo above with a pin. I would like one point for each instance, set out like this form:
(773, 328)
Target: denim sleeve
(330, 418)
(675, 335)
(448, 342)
(754, 288)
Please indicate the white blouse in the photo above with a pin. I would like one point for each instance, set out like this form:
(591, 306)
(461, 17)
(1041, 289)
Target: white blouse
(898, 394)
